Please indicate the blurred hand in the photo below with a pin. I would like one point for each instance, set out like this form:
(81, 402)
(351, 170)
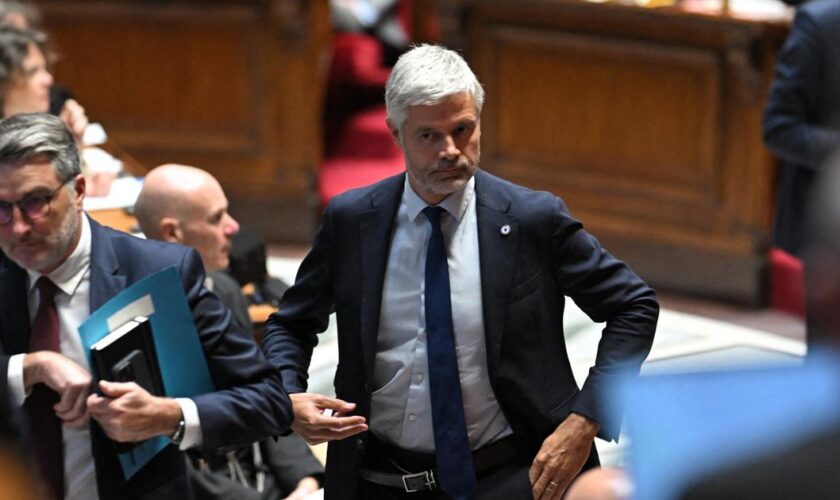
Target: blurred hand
(561, 457)
(128, 413)
(316, 425)
(64, 376)
(73, 115)
(607, 483)
(305, 487)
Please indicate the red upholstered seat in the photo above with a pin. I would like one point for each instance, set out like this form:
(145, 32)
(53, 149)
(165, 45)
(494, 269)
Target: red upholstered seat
(365, 135)
(341, 174)
(357, 60)
(359, 148)
(787, 283)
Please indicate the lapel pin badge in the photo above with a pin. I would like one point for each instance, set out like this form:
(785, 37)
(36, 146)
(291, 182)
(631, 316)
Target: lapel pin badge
(505, 230)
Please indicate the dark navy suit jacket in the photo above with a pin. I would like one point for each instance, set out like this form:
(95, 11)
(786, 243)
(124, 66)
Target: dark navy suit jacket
(524, 277)
(802, 118)
(249, 402)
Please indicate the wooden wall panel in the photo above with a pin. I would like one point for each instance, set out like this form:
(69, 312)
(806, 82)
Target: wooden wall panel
(646, 122)
(233, 87)
(630, 113)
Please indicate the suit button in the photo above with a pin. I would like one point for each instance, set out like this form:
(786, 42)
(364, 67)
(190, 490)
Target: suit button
(360, 444)
(367, 388)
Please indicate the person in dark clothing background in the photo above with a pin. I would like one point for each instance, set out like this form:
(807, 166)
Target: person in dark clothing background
(802, 117)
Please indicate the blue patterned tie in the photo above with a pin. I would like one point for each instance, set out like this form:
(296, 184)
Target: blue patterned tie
(452, 446)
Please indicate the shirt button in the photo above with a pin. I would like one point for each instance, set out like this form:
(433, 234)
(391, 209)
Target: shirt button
(419, 377)
(412, 417)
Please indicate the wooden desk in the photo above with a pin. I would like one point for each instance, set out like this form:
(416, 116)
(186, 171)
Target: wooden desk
(116, 218)
(647, 123)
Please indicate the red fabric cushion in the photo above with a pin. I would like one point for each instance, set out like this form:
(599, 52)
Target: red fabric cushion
(787, 282)
(357, 60)
(365, 135)
(342, 174)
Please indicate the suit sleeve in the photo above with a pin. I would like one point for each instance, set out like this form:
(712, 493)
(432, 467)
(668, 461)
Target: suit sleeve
(250, 402)
(789, 128)
(608, 291)
(291, 332)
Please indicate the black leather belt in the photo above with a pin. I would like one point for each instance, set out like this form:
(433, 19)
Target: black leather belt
(411, 483)
(486, 459)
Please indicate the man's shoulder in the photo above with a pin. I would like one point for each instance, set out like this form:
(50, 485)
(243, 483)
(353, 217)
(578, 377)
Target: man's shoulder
(517, 199)
(135, 251)
(367, 197)
(224, 282)
(825, 14)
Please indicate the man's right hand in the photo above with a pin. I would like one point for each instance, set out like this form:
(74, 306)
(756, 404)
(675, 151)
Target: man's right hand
(316, 425)
(64, 376)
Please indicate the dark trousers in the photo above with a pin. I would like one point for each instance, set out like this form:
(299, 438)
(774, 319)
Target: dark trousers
(508, 481)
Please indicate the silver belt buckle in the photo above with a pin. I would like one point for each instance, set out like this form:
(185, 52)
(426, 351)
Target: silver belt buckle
(421, 481)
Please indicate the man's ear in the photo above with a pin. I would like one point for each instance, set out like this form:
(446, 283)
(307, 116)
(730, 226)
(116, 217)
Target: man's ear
(170, 230)
(395, 132)
(79, 186)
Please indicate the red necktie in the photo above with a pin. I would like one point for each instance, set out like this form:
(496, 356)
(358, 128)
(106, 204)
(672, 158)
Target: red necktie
(46, 426)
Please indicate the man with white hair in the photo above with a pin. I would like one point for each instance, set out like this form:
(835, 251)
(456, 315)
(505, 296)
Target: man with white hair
(448, 286)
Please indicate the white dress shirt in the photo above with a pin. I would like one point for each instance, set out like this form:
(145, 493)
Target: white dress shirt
(401, 411)
(72, 303)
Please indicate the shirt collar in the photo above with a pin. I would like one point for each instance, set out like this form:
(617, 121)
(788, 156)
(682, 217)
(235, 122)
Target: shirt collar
(69, 274)
(456, 203)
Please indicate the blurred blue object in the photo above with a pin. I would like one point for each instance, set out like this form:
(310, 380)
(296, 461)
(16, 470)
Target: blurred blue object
(683, 426)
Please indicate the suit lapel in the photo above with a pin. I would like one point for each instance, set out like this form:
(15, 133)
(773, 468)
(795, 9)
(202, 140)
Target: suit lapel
(105, 280)
(375, 227)
(15, 317)
(497, 252)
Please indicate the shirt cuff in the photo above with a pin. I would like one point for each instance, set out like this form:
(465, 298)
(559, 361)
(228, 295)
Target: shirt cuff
(192, 425)
(17, 389)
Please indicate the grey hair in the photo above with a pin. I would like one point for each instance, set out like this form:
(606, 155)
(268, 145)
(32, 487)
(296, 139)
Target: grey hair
(32, 16)
(426, 75)
(28, 136)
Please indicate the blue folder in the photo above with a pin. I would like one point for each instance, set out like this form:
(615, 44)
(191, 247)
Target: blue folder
(682, 427)
(183, 367)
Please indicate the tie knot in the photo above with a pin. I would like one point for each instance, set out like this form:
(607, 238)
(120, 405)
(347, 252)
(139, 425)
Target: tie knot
(46, 289)
(433, 214)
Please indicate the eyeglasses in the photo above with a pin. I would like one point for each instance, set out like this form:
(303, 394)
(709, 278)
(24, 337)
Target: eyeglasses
(33, 207)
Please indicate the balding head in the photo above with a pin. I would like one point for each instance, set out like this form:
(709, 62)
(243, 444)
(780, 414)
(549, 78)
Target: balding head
(186, 205)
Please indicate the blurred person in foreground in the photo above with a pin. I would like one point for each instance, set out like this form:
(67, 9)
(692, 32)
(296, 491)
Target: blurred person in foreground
(807, 469)
(448, 286)
(186, 205)
(56, 267)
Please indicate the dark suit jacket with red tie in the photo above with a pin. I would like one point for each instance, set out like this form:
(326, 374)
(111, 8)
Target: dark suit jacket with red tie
(249, 403)
(525, 275)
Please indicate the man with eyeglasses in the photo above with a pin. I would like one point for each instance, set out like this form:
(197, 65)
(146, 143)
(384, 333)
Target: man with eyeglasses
(57, 267)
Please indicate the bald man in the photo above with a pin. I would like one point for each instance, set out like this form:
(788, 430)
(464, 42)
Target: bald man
(186, 205)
